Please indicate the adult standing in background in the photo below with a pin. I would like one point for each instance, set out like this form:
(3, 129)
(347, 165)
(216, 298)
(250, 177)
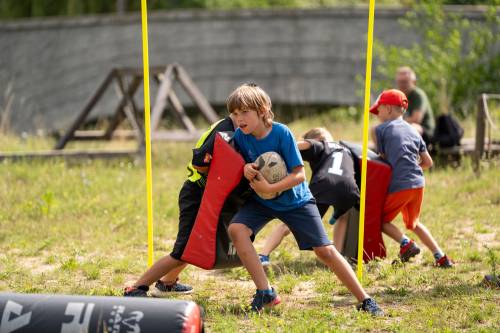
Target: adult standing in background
(419, 113)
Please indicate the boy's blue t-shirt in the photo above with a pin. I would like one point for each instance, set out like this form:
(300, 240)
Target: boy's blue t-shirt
(281, 141)
(401, 146)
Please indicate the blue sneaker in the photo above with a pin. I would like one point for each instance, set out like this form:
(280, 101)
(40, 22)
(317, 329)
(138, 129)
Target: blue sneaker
(369, 305)
(161, 289)
(263, 300)
(264, 260)
(491, 281)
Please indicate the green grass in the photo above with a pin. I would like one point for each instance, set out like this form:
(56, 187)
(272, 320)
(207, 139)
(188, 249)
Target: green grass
(80, 228)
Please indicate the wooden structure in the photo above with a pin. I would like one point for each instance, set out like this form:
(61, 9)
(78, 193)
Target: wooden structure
(73, 154)
(127, 81)
(485, 146)
(127, 109)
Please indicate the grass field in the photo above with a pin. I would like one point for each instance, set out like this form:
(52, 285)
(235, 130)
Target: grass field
(80, 228)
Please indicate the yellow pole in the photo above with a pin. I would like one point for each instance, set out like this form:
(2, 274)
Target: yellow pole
(147, 126)
(366, 122)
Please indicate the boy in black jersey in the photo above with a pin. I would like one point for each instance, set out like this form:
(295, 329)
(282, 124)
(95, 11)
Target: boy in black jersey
(167, 269)
(332, 184)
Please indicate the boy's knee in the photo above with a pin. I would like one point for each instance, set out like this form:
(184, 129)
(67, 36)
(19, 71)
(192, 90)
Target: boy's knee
(412, 225)
(284, 229)
(387, 225)
(237, 230)
(324, 252)
(344, 218)
(232, 230)
(174, 260)
(178, 262)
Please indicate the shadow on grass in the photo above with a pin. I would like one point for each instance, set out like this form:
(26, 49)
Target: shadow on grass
(395, 295)
(276, 269)
(439, 291)
(238, 309)
(295, 267)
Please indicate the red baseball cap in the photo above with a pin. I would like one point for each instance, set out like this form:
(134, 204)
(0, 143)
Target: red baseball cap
(390, 97)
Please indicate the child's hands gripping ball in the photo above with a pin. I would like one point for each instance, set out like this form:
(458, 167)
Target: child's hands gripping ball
(272, 167)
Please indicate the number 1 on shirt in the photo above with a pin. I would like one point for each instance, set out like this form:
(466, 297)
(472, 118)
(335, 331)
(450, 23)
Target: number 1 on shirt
(337, 163)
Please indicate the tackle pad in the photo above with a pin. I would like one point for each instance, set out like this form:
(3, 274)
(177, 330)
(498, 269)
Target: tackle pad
(209, 245)
(378, 179)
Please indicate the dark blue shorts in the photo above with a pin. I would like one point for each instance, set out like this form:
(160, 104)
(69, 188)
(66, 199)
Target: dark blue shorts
(304, 222)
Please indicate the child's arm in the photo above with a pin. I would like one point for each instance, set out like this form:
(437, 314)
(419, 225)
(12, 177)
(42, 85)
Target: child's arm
(303, 145)
(310, 150)
(297, 176)
(425, 160)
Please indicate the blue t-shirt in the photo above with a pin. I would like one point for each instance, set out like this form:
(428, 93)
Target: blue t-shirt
(401, 145)
(281, 141)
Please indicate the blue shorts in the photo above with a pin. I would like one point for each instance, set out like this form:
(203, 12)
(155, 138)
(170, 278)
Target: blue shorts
(304, 222)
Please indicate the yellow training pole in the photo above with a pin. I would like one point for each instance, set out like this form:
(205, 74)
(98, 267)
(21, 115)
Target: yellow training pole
(366, 122)
(147, 126)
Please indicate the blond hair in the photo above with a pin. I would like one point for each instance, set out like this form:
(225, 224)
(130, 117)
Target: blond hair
(250, 96)
(318, 133)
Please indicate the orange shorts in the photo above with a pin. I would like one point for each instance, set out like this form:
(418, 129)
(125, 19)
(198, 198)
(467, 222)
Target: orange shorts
(407, 202)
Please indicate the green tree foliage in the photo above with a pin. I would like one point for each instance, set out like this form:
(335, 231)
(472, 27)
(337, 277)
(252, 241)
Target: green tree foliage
(470, 2)
(31, 8)
(455, 58)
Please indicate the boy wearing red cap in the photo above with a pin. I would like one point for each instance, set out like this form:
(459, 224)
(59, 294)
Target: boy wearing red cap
(401, 145)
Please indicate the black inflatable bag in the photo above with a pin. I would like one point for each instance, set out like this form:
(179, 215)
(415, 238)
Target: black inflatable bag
(25, 313)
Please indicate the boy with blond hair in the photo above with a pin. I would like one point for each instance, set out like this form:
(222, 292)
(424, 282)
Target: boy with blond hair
(257, 133)
(401, 145)
(333, 183)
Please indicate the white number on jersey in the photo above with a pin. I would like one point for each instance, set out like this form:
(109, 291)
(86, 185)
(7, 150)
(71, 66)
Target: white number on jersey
(337, 163)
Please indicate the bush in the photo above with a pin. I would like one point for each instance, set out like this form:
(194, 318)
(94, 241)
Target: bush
(455, 59)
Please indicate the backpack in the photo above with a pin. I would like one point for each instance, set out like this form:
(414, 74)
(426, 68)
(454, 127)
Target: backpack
(448, 131)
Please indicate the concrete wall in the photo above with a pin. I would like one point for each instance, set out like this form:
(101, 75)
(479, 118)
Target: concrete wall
(301, 57)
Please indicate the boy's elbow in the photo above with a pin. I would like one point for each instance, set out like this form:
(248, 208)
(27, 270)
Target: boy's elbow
(426, 161)
(302, 177)
(431, 163)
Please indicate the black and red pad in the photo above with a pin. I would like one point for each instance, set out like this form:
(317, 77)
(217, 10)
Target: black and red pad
(209, 246)
(378, 179)
(25, 313)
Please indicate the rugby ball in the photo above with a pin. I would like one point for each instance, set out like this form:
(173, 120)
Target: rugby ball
(273, 169)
